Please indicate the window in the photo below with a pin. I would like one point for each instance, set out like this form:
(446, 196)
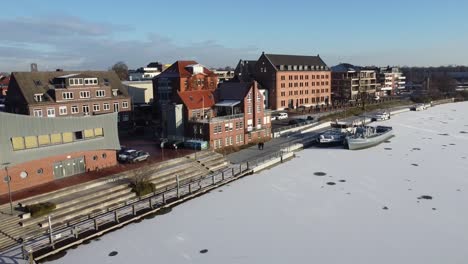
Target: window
(249, 96)
(50, 112)
(124, 104)
(75, 81)
(74, 109)
(78, 135)
(90, 81)
(85, 94)
(67, 95)
(17, 143)
(40, 171)
(62, 110)
(283, 78)
(86, 109)
(38, 97)
(249, 109)
(258, 108)
(106, 106)
(259, 121)
(241, 124)
(116, 106)
(43, 140)
(104, 155)
(96, 107)
(37, 112)
(31, 142)
(100, 93)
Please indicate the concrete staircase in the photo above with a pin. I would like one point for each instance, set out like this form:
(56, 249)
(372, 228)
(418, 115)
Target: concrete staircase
(85, 200)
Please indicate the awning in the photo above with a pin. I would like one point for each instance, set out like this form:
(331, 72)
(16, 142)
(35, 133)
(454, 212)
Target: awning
(228, 103)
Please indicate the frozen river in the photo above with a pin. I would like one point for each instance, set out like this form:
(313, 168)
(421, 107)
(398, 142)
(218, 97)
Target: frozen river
(288, 214)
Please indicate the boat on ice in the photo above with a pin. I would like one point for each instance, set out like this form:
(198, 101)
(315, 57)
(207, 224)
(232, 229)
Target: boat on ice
(332, 137)
(368, 136)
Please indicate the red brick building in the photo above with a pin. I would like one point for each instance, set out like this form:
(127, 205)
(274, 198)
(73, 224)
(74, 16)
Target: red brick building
(63, 94)
(238, 117)
(292, 81)
(4, 81)
(37, 150)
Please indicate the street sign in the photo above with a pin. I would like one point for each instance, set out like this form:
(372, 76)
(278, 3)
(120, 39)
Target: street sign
(6, 179)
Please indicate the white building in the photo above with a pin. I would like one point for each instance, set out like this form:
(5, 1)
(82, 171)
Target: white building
(391, 80)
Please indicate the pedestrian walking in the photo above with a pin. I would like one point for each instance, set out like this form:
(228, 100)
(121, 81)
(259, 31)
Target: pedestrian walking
(259, 145)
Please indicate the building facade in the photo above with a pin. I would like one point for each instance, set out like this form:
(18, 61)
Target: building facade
(238, 117)
(292, 81)
(65, 94)
(351, 82)
(4, 82)
(141, 92)
(391, 81)
(37, 150)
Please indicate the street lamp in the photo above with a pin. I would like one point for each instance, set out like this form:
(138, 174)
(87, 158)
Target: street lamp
(7, 179)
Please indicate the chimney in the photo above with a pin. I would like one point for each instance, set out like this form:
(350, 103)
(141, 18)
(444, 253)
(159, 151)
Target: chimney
(59, 70)
(33, 67)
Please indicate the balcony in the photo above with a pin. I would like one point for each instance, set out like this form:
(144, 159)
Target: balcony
(217, 119)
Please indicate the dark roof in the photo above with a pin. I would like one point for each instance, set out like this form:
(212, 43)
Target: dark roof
(31, 83)
(277, 59)
(197, 99)
(232, 90)
(345, 67)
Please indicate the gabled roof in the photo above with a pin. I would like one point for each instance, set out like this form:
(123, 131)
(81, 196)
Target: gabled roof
(197, 99)
(279, 59)
(233, 90)
(31, 83)
(179, 69)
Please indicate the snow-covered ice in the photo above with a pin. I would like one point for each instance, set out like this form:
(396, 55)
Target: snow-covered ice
(289, 215)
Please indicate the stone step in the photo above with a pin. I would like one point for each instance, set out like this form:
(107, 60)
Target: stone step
(86, 210)
(76, 207)
(89, 194)
(173, 182)
(219, 166)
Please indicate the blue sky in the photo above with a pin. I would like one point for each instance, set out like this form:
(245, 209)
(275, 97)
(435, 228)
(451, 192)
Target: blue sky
(95, 34)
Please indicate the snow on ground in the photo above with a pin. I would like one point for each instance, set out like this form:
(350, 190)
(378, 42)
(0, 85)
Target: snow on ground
(289, 215)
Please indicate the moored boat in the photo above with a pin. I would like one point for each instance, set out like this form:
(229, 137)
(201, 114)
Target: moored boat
(368, 136)
(332, 137)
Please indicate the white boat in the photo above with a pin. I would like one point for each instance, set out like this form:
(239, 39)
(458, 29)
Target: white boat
(332, 137)
(368, 136)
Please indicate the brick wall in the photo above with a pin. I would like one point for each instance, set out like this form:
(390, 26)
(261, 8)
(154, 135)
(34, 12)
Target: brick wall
(94, 160)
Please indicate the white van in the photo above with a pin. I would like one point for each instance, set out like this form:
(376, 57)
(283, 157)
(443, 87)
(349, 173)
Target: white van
(282, 116)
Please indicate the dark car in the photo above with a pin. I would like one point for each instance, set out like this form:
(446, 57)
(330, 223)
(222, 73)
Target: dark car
(296, 121)
(310, 118)
(174, 144)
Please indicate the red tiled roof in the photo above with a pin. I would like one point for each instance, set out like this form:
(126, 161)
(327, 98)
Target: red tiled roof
(180, 68)
(197, 99)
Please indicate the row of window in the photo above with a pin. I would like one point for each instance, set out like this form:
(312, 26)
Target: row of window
(228, 127)
(74, 109)
(301, 92)
(301, 67)
(30, 142)
(306, 101)
(81, 81)
(304, 84)
(83, 94)
(304, 77)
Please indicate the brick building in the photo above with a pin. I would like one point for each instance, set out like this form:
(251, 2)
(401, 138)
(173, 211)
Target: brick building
(292, 81)
(37, 150)
(4, 81)
(177, 94)
(64, 94)
(238, 117)
(351, 82)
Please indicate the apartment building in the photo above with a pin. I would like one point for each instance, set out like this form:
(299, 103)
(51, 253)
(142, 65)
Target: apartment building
(391, 81)
(4, 82)
(70, 93)
(238, 117)
(292, 81)
(38, 150)
(351, 82)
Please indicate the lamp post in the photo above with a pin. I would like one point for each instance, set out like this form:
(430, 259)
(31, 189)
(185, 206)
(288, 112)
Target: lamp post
(7, 179)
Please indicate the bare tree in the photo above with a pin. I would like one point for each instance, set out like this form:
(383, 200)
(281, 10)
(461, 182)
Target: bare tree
(121, 69)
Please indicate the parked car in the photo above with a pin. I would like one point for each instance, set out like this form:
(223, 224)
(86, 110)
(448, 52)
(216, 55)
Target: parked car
(310, 118)
(138, 156)
(282, 116)
(125, 154)
(274, 117)
(173, 144)
(381, 116)
(419, 107)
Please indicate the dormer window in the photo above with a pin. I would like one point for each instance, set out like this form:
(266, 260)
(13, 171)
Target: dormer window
(90, 81)
(114, 92)
(39, 97)
(75, 81)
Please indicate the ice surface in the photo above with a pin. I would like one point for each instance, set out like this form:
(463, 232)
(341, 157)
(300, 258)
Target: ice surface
(289, 215)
